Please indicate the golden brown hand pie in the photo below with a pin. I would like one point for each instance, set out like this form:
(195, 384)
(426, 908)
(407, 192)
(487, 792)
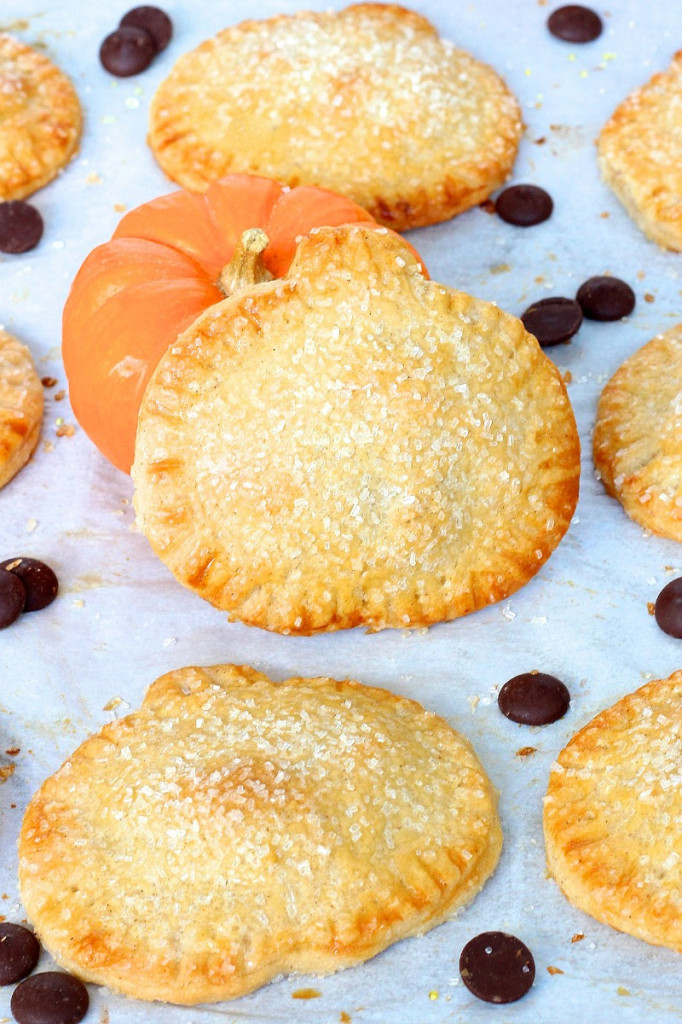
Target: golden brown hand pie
(21, 406)
(41, 119)
(235, 829)
(638, 435)
(612, 815)
(367, 101)
(354, 445)
(640, 155)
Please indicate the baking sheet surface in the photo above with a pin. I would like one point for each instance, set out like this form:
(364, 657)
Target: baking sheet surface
(120, 620)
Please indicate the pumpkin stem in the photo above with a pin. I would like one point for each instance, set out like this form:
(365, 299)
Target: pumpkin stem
(246, 266)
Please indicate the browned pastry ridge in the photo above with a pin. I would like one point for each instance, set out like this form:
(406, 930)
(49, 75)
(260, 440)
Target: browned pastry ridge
(355, 445)
(640, 155)
(21, 406)
(235, 829)
(41, 119)
(612, 815)
(637, 440)
(367, 101)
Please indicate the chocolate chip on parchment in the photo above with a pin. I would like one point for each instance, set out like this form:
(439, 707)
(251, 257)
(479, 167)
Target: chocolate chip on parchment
(497, 967)
(524, 205)
(127, 51)
(19, 952)
(51, 997)
(574, 23)
(152, 20)
(12, 598)
(605, 298)
(553, 320)
(21, 226)
(39, 580)
(668, 608)
(534, 698)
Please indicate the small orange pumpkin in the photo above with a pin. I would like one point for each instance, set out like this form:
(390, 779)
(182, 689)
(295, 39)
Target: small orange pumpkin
(164, 265)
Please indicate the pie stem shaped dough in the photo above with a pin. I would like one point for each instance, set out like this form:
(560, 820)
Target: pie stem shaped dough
(235, 829)
(355, 445)
(613, 811)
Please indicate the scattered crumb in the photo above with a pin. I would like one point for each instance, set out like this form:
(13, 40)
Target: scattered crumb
(31, 525)
(567, 377)
(554, 970)
(120, 207)
(306, 993)
(578, 937)
(48, 446)
(648, 297)
(525, 751)
(13, 751)
(650, 607)
(113, 703)
(473, 703)
(623, 991)
(605, 215)
(487, 205)
(344, 1018)
(6, 771)
(48, 382)
(65, 430)
(541, 141)
(59, 396)
(433, 994)
(93, 179)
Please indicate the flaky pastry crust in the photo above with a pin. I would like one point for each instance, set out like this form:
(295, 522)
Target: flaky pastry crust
(41, 119)
(640, 155)
(612, 815)
(235, 829)
(21, 406)
(637, 441)
(355, 445)
(367, 101)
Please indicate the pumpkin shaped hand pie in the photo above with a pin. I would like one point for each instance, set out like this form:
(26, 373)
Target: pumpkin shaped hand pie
(368, 101)
(211, 840)
(354, 445)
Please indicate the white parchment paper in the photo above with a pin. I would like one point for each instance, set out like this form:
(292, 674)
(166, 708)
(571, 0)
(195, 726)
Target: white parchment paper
(120, 619)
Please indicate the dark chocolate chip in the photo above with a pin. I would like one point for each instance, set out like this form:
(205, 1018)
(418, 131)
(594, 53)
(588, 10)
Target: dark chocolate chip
(12, 598)
(40, 582)
(127, 51)
(553, 320)
(51, 997)
(21, 226)
(668, 608)
(575, 24)
(152, 20)
(524, 205)
(497, 967)
(19, 952)
(605, 298)
(534, 698)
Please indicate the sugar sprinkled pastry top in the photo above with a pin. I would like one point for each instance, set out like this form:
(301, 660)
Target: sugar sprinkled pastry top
(354, 445)
(367, 101)
(640, 155)
(41, 119)
(637, 440)
(612, 815)
(234, 829)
